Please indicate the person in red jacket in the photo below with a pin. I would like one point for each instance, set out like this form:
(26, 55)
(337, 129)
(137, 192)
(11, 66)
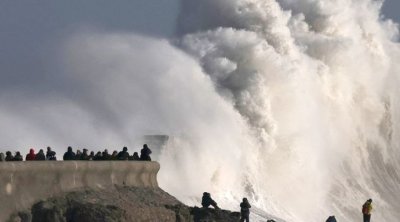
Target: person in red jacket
(31, 155)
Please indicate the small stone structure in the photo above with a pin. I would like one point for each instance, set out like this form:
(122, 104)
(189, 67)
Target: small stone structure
(24, 183)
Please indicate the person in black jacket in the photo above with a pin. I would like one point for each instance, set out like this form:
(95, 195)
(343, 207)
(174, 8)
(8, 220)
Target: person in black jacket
(331, 219)
(69, 155)
(9, 156)
(105, 155)
(98, 156)
(145, 153)
(123, 155)
(40, 155)
(244, 210)
(50, 154)
(85, 155)
(207, 201)
(18, 157)
(135, 156)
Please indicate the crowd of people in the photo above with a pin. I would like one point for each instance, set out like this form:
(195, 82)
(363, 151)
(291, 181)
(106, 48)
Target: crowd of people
(79, 155)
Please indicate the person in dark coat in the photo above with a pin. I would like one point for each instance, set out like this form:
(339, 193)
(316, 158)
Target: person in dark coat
(145, 153)
(18, 157)
(69, 155)
(2, 157)
(206, 201)
(85, 155)
(245, 210)
(31, 155)
(9, 156)
(40, 155)
(91, 156)
(98, 156)
(114, 155)
(106, 155)
(123, 155)
(135, 156)
(50, 154)
(331, 219)
(78, 155)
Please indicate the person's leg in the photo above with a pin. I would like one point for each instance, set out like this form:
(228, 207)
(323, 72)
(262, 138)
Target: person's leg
(369, 218)
(247, 218)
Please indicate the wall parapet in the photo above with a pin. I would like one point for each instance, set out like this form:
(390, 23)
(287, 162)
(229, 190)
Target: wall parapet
(24, 183)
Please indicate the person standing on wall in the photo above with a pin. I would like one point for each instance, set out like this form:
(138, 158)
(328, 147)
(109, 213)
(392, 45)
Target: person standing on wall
(366, 210)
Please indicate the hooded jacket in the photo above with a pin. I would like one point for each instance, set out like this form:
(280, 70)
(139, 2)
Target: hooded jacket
(31, 155)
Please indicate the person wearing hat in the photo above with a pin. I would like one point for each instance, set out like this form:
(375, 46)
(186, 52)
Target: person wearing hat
(366, 210)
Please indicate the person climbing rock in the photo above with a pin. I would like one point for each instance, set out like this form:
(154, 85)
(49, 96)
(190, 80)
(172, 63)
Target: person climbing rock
(366, 210)
(145, 153)
(31, 155)
(245, 210)
(206, 201)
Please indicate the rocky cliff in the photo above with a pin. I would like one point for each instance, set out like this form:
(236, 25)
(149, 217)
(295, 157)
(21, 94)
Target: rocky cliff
(119, 204)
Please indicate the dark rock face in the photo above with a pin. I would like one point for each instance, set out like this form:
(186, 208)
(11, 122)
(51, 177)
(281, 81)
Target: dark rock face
(120, 204)
(212, 215)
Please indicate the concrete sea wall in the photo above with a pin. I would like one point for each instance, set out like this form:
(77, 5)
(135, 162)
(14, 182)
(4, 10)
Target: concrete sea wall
(24, 183)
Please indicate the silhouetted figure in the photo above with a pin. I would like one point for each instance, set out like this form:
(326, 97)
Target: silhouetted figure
(114, 155)
(78, 155)
(98, 156)
(244, 210)
(366, 210)
(91, 156)
(18, 157)
(31, 155)
(206, 201)
(69, 155)
(2, 157)
(40, 155)
(9, 156)
(106, 155)
(135, 156)
(50, 154)
(85, 155)
(145, 153)
(123, 155)
(331, 219)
